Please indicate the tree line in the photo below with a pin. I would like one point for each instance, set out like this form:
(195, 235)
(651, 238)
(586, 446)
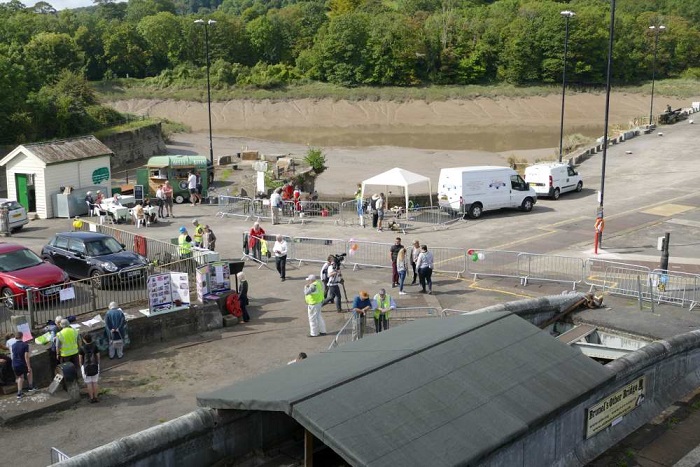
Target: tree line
(45, 55)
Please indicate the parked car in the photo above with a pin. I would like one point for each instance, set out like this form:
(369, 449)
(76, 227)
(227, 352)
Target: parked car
(92, 254)
(17, 214)
(553, 178)
(20, 270)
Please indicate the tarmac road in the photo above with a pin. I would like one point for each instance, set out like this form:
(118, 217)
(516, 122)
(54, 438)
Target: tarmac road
(649, 191)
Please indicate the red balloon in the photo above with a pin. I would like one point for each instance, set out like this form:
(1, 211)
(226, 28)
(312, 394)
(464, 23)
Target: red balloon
(470, 252)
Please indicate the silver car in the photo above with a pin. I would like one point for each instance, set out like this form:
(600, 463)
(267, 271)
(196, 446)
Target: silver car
(17, 214)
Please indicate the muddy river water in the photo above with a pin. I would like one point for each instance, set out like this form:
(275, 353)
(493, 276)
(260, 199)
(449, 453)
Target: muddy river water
(440, 138)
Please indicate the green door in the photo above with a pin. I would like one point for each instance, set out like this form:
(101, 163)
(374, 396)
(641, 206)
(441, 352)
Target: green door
(22, 191)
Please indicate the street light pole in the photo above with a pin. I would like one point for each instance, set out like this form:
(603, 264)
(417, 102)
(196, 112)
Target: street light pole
(656, 30)
(206, 45)
(607, 109)
(567, 14)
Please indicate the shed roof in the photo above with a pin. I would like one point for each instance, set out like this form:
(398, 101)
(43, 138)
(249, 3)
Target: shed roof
(435, 392)
(177, 161)
(66, 150)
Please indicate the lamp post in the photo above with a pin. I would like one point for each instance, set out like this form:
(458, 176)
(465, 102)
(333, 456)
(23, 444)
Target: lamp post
(657, 30)
(567, 14)
(607, 112)
(206, 46)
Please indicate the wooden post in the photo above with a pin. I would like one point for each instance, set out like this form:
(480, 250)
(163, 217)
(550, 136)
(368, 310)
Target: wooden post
(308, 449)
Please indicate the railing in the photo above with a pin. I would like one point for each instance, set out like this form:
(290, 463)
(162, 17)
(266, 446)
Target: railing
(315, 250)
(677, 288)
(358, 326)
(492, 263)
(550, 268)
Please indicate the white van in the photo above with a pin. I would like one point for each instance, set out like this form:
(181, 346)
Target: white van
(553, 178)
(473, 190)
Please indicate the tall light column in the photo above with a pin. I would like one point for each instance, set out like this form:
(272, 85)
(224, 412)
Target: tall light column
(206, 45)
(657, 30)
(567, 15)
(607, 112)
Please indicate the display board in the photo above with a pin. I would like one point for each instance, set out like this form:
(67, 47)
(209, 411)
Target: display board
(213, 279)
(168, 292)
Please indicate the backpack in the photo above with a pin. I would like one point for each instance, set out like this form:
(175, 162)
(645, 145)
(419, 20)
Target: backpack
(90, 361)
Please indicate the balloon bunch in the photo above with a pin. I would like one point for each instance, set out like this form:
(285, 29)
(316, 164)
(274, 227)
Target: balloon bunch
(353, 247)
(475, 256)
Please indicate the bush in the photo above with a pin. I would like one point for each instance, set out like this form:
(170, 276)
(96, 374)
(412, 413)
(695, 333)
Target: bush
(105, 116)
(316, 159)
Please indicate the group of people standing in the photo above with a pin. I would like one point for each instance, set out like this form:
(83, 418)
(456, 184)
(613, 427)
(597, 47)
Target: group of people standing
(421, 262)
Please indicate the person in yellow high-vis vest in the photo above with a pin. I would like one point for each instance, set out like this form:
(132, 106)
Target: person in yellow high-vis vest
(198, 236)
(313, 295)
(383, 304)
(184, 247)
(67, 344)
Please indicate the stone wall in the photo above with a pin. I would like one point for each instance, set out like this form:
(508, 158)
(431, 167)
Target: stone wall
(135, 145)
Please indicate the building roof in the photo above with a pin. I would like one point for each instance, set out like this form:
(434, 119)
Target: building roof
(177, 161)
(432, 392)
(58, 151)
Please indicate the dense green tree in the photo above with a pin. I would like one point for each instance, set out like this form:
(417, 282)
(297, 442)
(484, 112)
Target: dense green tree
(47, 54)
(136, 10)
(391, 49)
(126, 52)
(163, 34)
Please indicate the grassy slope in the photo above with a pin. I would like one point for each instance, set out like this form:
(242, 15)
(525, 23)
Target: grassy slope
(140, 89)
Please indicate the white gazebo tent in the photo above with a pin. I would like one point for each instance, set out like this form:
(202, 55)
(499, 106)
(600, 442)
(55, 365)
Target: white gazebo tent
(398, 177)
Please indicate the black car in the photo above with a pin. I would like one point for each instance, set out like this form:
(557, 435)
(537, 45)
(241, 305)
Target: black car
(91, 254)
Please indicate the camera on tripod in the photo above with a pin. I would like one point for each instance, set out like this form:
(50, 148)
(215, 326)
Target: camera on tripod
(337, 259)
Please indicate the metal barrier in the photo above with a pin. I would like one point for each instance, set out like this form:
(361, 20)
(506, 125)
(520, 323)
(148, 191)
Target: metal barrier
(616, 278)
(315, 250)
(328, 212)
(434, 216)
(675, 287)
(448, 260)
(551, 268)
(345, 334)
(236, 206)
(350, 217)
(496, 263)
(370, 254)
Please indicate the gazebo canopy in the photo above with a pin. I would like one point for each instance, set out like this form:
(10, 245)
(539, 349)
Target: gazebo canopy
(399, 177)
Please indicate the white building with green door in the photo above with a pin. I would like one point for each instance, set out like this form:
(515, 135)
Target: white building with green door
(37, 172)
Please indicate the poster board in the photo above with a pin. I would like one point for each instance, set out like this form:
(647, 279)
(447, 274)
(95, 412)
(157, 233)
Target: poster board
(610, 410)
(138, 193)
(213, 279)
(167, 293)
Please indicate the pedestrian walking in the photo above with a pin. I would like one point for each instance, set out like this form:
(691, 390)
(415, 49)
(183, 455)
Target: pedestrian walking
(383, 304)
(361, 305)
(335, 278)
(90, 366)
(168, 194)
(313, 295)
(415, 251)
(425, 269)
(115, 330)
(402, 268)
(393, 254)
(280, 252)
(243, 296)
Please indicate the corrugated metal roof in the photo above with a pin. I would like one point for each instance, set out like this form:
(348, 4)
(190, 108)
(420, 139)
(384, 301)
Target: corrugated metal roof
(432, 392)
(177, 161)
(74, 149)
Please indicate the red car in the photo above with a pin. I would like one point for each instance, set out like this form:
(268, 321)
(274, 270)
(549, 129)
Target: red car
(21, 269)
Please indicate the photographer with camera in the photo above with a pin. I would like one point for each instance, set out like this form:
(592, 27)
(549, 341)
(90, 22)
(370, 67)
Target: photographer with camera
(335, 279)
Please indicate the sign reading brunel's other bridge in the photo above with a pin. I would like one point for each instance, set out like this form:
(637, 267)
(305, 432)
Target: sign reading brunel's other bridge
(610, 410)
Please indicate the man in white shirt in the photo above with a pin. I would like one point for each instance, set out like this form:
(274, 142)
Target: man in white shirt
(276, 205)
(192, 186)
(280, 252)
